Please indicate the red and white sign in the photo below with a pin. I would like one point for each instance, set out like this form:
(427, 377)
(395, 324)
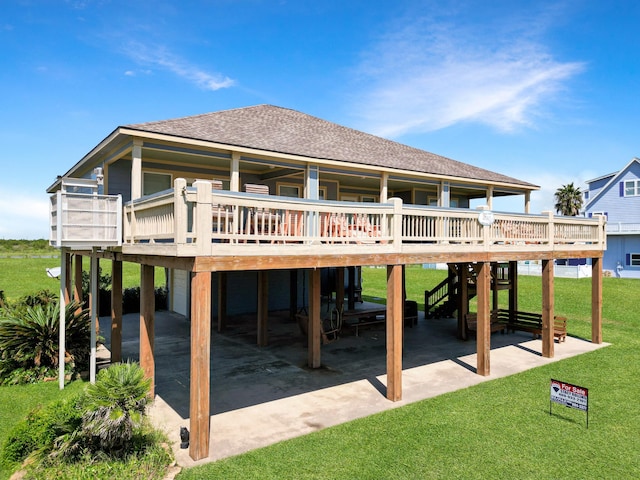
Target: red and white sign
(569, 395)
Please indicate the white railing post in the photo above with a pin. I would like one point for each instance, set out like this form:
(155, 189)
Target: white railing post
(202, 217)
(485, 218)
(180, 210)
(551, 228)
(396, 223)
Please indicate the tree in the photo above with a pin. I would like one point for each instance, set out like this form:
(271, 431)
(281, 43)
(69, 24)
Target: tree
(568, 200)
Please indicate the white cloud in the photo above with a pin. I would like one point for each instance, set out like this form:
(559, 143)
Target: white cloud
(543, 199)
(430, 75)
(157, 56)
(23, 216)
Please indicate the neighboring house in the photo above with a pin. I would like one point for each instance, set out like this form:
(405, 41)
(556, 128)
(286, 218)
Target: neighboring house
(617, 197)
(247, 207)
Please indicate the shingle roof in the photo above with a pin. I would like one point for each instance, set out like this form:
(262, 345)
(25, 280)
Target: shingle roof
(282, 130)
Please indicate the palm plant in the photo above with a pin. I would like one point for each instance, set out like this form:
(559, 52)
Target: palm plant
(29, 337)
(115, 406)
(568, 200)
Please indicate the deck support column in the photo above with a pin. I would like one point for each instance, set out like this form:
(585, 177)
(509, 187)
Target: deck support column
(93, 309)
(351, 291)
(483, 334)
(199, 399)
(340, 289)
(77, 280)
(66, 266)
(263, 308)
(64, 253)
(293, 294)
(494, 286)
(222, 301)
(513, 287)
(315, 327)
(547, 308)
(395, 311)
(147, 324)
(116, 311)
(596, 300)
(463, 297)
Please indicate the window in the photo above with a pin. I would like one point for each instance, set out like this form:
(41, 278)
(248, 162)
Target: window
(632, 188)
(289, 191)
(368, 199)
(155, 182)
(634, 259)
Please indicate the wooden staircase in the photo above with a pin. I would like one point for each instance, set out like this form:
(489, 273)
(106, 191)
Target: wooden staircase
(442, 300)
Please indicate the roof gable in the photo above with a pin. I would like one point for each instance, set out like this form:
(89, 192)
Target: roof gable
(612, 182)
(282, 130)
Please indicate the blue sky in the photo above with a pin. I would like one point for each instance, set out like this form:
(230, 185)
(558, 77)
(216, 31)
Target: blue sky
(547, 92)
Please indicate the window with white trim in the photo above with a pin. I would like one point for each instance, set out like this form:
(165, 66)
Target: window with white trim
(634, 259)
(632, 188)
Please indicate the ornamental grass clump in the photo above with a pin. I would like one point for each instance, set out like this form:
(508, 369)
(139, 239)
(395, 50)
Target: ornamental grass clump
(114, 407)
(29, 341)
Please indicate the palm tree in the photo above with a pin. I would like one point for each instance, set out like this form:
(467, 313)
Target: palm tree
(568, 200)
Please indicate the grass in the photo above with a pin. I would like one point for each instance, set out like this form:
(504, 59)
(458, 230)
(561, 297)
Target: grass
(20, 276)
(497, 429)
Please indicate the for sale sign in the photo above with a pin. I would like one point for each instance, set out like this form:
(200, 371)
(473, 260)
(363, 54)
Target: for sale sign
(569, 395)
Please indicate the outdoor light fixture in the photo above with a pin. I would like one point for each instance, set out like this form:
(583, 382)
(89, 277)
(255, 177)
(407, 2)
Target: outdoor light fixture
(99, 173)
(184, 437)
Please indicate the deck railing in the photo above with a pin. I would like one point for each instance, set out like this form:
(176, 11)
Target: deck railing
(85, 220)
(199, 220)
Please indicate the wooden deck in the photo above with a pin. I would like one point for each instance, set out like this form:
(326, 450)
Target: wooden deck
(203, 228)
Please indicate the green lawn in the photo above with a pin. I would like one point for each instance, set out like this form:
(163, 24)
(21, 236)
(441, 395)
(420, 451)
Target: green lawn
(20, 276)
(498, 429)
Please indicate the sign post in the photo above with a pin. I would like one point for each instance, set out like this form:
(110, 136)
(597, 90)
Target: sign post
(569, 395)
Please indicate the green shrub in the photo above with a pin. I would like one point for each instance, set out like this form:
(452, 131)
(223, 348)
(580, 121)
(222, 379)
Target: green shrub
(115, 407)
(40, 430)
(30, 338)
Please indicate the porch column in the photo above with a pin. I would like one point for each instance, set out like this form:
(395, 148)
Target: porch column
(222, 301)
(147, 321)
(315, 327)
(136, 169)
(527, 202)
(547, 308)
(444, 200)
(596, 300)
(483, 334)
(384, 189)
(395, 310)
(116, 311)
(490, 197)
(312, 182)
(263, 308)
(235, 172)
(199, 397)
